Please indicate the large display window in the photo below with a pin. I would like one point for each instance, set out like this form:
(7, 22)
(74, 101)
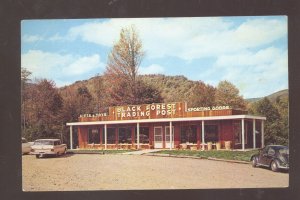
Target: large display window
(188, 134)
(211, 133)
(93, 136)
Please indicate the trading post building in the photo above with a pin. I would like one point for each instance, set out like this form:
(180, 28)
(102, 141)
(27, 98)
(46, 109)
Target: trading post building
(169, 126)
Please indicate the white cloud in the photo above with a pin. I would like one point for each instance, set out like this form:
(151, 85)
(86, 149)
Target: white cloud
(83, 65)
(152, 69)
(186, 38)
(32, 38)
(57, 37)
(255, 74)
(60, 67)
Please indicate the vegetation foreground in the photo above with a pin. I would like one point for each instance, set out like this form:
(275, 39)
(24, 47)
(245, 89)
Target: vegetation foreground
(227, 155)
(223, 154)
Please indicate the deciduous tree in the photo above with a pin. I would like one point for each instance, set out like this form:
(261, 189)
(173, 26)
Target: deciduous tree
(201, 95)
(275, 128)
(122, 67)
(228, 94)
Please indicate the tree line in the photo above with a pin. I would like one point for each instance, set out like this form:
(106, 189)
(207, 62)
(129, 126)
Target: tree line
(46, 109)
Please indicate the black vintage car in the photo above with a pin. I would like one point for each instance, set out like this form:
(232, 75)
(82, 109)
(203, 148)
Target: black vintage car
(272, 156)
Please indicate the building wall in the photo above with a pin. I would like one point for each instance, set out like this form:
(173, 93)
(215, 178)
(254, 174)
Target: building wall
(225, 127)
(82, 136)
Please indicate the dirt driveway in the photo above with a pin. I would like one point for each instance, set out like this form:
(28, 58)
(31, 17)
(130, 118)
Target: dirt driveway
(122, 172)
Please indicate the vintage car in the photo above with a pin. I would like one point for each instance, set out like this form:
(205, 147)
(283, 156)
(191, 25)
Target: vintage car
(26, 146)
(275, 157)
(43, 147)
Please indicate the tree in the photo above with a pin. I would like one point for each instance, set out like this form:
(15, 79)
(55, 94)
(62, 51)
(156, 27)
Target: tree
(274, 126)
(147, 94)
(43, 110)
(201, 95)
(228, 94)
(122, 67)
(25, 74)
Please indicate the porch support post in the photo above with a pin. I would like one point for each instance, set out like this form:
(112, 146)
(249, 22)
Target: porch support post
(262, 134)
(138, 135)
(71, 137)
(243, 134)
(105, 136)
(202, 132)
(254, 135)
(170, 135)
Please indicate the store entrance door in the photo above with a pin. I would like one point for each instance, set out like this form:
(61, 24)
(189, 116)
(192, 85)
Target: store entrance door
(158, 137)
(167, 137)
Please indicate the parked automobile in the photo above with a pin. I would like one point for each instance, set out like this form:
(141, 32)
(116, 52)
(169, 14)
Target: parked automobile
(275, 157)
(26, 146)
(43, 147)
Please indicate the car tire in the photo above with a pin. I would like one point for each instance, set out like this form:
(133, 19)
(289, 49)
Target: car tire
(254, 161)
(274, 166)
(37, 156)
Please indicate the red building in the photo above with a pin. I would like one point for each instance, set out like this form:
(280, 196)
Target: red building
(148, 126)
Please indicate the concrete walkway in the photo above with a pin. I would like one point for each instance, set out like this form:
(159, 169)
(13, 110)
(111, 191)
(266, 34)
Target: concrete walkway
(141, 152)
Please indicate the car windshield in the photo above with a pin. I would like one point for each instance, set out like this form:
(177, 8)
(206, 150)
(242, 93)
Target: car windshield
(43, 142)
(284, 151)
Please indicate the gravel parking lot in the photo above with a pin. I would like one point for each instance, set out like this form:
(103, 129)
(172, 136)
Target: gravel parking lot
(121, 172)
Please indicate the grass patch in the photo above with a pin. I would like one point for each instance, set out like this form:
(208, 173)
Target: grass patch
(98, 151)
(228, 155)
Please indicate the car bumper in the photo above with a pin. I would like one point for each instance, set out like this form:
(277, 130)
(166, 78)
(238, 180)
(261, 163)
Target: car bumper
(43, 153)
(283, 167)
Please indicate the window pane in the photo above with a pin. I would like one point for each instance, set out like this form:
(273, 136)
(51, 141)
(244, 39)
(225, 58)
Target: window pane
(188, 134)
(111, 136)
(237, 129)
(93, 136)
(211, 133)
(125, 135)
(144, 135)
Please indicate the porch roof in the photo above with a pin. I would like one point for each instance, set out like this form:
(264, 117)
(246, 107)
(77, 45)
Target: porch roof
(167, 120)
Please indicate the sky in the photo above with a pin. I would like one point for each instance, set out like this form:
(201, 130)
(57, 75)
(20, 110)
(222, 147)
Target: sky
(250, 52)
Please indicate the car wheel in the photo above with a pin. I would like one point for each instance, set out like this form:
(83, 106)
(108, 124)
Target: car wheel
(254, 161)
(274, 166)
(37, 156)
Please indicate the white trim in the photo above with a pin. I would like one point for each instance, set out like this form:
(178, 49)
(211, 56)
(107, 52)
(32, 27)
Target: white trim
(254, 135)
(138, 135)
(167, 120)
(202, 132)
(243, 134)
(71, 137)
(171, 129)
(262, 134)
(105, 136)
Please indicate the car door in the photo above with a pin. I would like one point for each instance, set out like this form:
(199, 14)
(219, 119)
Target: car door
(270, 156)
(262, 156)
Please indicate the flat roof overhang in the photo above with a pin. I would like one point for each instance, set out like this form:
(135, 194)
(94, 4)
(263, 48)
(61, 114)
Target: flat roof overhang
(167, 120)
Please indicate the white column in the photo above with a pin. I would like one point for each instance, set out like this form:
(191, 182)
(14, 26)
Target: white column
(71, 137)
(203, 141)
(243, 134)
(170, 135)
(138, 135)
(262, 134)
(254, 135)
(105, 136)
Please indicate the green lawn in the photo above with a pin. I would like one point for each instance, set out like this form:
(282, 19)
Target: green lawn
(228, 155)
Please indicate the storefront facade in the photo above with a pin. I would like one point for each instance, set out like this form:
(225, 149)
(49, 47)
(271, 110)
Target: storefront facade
(168, 126)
